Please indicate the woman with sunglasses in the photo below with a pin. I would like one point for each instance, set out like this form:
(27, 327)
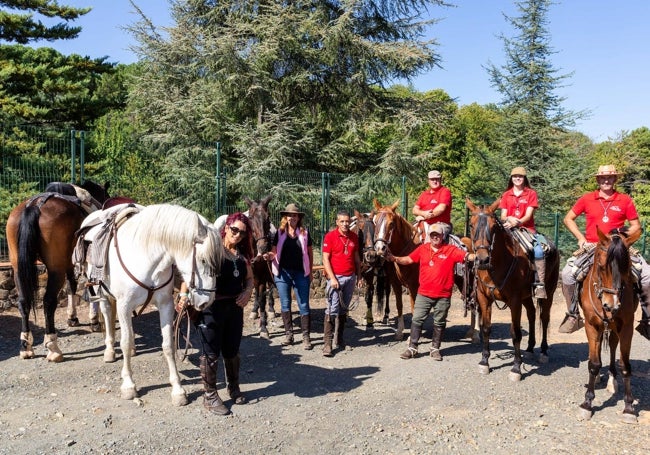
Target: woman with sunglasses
(221, 324)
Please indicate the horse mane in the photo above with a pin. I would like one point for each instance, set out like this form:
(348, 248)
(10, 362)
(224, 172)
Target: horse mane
(618, 258)
(181, 229)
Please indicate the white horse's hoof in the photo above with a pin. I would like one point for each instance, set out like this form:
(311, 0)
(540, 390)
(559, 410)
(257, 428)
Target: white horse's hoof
(543, 358)
(484, 369)
(628, 418)
(179, 400)
(514, 377)
(109, 356)
(55, 357)
(27, 354)
(129, 393)
(612, 385)
(584, 414)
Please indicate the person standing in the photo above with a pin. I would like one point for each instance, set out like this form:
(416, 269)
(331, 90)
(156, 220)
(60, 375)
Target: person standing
(433, 204)
(221, 324)
(606, 209)
(518, 204)
(342, 264)
(292, 259)
(436, 260)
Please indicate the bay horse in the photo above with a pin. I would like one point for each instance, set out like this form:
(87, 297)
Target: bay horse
(504, 273)
(44, 228)
(263, 282)
(395, 234)
(608, 300)
(373, 267)
(144, 254)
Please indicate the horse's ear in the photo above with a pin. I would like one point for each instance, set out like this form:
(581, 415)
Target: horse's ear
(265, 202)
(601, 235)
(495, 205)
(203, 229)
(376, 204)
(248, 201)
(357, 214)
(469, 204)
(395, 205)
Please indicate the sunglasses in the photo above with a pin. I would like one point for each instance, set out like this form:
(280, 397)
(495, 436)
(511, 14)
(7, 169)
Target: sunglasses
(236, 231)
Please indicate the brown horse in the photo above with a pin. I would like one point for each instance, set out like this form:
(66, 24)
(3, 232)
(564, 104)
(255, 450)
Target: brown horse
(608, 300)
(373, 267)
(263, 283)
(504, 273)
(395, 234)
(44, 228)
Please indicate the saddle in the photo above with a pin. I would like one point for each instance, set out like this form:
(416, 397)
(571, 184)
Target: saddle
(94, 238)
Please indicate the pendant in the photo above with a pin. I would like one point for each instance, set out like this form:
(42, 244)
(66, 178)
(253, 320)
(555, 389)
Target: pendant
(235, 273)
(517, 212)
(605, 219)
(430, 263)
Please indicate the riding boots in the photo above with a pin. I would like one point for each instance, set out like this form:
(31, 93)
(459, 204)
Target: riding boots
(232, 378)
(211, 400)
(340, 322)
(436, 339)
(288, 328)
(328, 335)
(644, 324)
(540, 288)
(412, 350)
(572, 321)
(305, 323)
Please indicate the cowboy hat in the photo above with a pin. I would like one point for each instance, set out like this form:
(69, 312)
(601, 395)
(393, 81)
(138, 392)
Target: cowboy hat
(292, 209)
(518, 171)
(434, 175)
(606, 170)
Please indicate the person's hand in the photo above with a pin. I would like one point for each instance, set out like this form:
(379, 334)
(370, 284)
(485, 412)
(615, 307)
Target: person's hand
(361, 282)
(334, 283)
(182, 302)
(244, 297)
(269, 256)
(511, 222)
(389, 257)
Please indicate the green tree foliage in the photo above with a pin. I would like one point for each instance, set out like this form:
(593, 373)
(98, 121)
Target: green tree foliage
(18, 25)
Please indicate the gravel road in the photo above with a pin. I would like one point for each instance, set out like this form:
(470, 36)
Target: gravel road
(362, 401)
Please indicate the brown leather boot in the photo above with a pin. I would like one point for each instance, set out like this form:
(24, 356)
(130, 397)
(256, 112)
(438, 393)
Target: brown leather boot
(305, 325)
(232, 378)
(328, 335)
(288, 328)
(572, 321)
(412, 350)
(540, 287)
(436, 339)
(340, 341)
(211, 399)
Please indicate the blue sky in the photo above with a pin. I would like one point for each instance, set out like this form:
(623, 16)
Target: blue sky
(604, 44)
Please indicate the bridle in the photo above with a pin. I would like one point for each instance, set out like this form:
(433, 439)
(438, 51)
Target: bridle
(616, 291)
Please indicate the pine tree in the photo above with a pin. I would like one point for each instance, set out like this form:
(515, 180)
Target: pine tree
(19, 27)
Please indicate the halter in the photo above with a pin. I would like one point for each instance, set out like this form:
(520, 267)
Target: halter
(600, 290)
(380, 223)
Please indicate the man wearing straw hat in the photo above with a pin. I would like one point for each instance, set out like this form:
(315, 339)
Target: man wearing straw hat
(606, 209)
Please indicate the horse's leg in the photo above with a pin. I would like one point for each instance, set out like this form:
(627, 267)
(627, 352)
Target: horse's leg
(399, 334)
(166, 311)
(486, 327)
(594, 338)
(612, 383)
(25, 304)
(531, 313)
(545, 319)
(386, 288)
(369, 277)
(73, 299)
(515, 332)
(107, 309)
(260, 300)
(127, 345)
(50, 302)
(629, 415)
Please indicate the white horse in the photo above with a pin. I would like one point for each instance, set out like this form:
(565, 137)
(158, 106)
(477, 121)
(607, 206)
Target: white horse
(142, 258)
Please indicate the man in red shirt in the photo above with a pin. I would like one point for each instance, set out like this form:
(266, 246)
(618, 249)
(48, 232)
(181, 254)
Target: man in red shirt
(433, 204)
(437, 260)
(342, 264)
(608, 209)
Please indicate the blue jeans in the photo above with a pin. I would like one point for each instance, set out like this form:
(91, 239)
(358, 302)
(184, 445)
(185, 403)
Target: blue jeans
(297, 280)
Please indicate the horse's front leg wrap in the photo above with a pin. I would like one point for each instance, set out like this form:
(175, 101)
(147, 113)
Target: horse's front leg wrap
(73, 302)
(26, 345)
(54, 354)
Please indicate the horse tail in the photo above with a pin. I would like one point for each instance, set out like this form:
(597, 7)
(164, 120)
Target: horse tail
(29, 234)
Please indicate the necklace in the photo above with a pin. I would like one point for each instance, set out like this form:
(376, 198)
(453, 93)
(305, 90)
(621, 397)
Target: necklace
(235, 272)
(517, 194)
(345, 246)
(605, 217)
(431, 253)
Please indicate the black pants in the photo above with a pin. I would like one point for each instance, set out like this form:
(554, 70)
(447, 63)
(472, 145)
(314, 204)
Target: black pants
(221, 327)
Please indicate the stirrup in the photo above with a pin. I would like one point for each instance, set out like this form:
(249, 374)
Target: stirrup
(540, 291)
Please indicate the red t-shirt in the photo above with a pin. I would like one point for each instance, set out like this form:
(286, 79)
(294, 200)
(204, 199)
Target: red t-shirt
(430, 199)
(607, 214)
(516, 205)
(341, 258)
(437, 269)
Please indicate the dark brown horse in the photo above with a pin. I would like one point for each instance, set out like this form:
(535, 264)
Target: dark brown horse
(373, 267)
(608, 300)
(504, 273)
(44, 228)
(395, 234)
(263, 283)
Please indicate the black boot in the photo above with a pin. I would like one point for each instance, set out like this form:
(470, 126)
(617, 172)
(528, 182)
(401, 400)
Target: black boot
(436, 339)
(232, 378)
(211, 399)
(412, 350)
(305, 325)
(644, 324)
(340, 341)
(328, 335)
(288, 328)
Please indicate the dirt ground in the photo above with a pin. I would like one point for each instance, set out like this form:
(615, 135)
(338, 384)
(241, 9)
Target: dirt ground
(362, 401)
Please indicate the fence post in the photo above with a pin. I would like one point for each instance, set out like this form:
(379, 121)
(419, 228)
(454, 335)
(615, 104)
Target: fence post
(404, 198)
(556, 230)
(218, 205)
(323, 209)
(73, 157)
(82, 156)
(644, 239)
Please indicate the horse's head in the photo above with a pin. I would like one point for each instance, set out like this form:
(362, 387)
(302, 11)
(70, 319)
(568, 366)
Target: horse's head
(98, 192)
(207, 255)
(612, 267)
(258, 214)
(386, 222)
(365, 228)
(483, 225)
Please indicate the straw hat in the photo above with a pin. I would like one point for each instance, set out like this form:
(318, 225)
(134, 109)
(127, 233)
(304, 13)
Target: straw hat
(518, 171)
(434, 175)
(292, 209)
(606, 170)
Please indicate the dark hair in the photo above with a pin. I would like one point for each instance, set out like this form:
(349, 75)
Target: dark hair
(342, 213)
(245, 246)
(526, 182)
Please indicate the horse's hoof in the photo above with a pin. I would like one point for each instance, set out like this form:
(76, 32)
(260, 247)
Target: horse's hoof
(585, 414)
(543, 358)
(26, 354)
(129, 394)
(109, 356)
(612, 385)
(476, 339)
(73, 322)
(264, 334)
(179, 400)
(484, 369)
(95, 326)
(628, 418)
(514, 377)
(528, 355)
(384, 320)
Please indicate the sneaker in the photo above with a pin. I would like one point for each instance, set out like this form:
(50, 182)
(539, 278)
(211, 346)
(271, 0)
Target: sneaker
(644, 328)
(571, 324)
(540, 292)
